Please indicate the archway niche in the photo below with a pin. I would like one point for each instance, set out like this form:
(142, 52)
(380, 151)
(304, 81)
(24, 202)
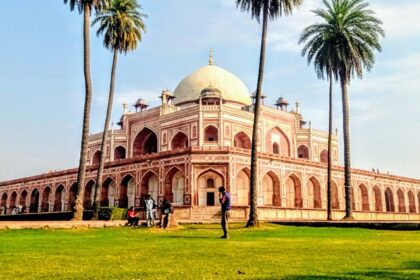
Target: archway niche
(241, 188)
(3, 204)
(127, 192)
(120, 153)
(271, 189)
(363, 197)
(276, 142)
(45, 204)
(89, 193)
(389, 201)
(179, 141)
(22, 200)
(418, 201)
(211, 134)
(378, 199)
(108, 193)
(303, 152)
(242, 141)
(175, 186)
(145, 142)
(33, 207)
(335, 202)
(411, 202)
(72, 197)
(59, 199)
(208, 184)
(314, 193)
(149, 186)
(293, 192)
(401, 201)
(12, 203)
(96, 157)
(323, 157)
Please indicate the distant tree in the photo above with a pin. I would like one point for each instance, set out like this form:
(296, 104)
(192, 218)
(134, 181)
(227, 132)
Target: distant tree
(269, 9)
(122, 27)
(341, 46)
(85, 7)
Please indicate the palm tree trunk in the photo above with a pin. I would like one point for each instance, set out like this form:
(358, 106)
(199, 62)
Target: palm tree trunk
(330, 162)
(346, 136)
(98, 184)
(253, 211)
(78, 215)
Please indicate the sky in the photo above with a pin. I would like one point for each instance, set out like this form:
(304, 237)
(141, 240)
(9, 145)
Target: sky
(42, 86)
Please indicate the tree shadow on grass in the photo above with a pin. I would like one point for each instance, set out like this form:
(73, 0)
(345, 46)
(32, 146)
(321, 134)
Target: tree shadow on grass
(187, 237)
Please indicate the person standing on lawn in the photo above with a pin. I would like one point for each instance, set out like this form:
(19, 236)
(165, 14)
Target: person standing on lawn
(150, 219)
(224, 198)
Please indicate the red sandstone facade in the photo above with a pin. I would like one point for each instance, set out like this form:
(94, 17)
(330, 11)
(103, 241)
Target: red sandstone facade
(198, 140)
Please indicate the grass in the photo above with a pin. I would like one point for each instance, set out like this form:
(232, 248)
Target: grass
(196, 252)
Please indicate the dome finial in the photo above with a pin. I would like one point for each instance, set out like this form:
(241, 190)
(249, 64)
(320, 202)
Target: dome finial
(211, 61)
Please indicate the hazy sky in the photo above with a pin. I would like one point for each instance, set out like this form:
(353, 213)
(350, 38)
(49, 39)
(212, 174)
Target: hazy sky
(42, 89)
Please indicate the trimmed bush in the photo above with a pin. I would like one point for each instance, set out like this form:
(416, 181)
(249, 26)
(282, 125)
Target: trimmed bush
(119, 214)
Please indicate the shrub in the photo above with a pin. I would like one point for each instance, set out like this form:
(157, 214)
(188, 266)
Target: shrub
(119, 214)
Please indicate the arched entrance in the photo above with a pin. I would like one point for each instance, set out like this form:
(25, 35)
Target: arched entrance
(3, 204)
(72, 197)
(89, 193)
(242, 141)
(149, 186)
(96, 157)
(208, 184)
(293, 192)
(389, 201)
(411, 202)
(119, 153)
(174, 186)
(22, 200)
(323, 157)
(127, 192)
(33, 207)
(211, 134)
(12, 203)
(276, 142)
(145, 142)
(59, 199)
(303, 152)
(363, 197)
(378, 199)
(271, 189)
(108, 193)
(45, 205)
(179, 141)
(314, 193)
(335, 203)
(241, 188)
(401, 201)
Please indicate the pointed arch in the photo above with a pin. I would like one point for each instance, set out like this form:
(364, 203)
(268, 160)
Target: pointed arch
(59, 198)
(179, 141)
(242, 140)
(208, 183)
(89, 193)
(108, 193)
(3, 204)
(314, 193)
(33, 208)
(303, 152)
(211, 134)
(277, 142)
(12, 202)
(120, 153)
(293, 192)
(271, 189)
(72, 196)
(22, 200)
(145, 142)
(401, 201)
(127, 192)
(363, 197)
(96, 157)
(323, 156)
(174, 186)
(411, 202)
(46, 196)
(241, 187)
(378, 199)
(389, 201)
(335, 202)
(149, 186)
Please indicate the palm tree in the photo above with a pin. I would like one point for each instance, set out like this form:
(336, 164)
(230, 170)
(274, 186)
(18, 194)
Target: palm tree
(270, 9)
(85, 7)
(319, 48)
(122, 26)
(353, 32)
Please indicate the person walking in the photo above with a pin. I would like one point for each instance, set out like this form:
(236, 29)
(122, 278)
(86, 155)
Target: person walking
(149, 205)
(224, 198)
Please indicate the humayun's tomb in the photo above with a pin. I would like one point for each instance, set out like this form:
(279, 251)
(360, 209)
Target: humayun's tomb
(199, 139)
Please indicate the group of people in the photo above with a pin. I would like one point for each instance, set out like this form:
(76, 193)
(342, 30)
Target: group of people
(167, 209)
(151, 207)
(15, 210)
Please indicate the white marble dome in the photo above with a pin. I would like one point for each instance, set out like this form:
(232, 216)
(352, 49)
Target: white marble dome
(230, 86)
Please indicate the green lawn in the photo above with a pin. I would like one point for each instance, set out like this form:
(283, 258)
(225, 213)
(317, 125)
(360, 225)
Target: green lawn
(196, 252)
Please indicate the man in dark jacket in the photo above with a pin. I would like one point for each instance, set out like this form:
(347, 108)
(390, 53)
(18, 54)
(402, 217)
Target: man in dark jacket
(224, 198)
